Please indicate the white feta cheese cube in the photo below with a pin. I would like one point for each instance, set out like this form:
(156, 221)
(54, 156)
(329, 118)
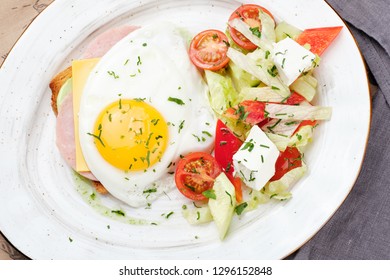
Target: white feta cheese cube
(291, 60)
(255, 161)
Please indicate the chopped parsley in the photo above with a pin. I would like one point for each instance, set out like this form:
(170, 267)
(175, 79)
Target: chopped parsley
(273, 71)
(153, 190)
(255, 31)
(176, 100)
(181, 125)
(197, 137)
(118, 212)
(190, 187)
(98, 137)
(240, 208)
(283, 62)
(273, 126)
(222, 143)
(242, 115)
(155, 121)
(267, 54)
(230, 196)
(112, 73)
(290, 123)
(196, 206)
(248, 146)
(169, 214)
(229, 165)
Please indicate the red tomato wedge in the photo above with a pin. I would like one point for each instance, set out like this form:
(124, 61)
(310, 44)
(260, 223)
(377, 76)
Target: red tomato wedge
(295, 99)
(226, 145)
(195, 173)
(208, 50)
(304, 123)
(250, 15)
(288, 160)
(236, 181)
(319, 39)
(249, 111)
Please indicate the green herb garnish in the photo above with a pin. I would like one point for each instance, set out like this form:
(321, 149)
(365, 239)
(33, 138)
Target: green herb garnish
(118, 212)
(209, 194)
(176, 100)
(255, 31)
(240, 208)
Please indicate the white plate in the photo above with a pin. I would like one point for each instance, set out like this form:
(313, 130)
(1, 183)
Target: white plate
(44, 216)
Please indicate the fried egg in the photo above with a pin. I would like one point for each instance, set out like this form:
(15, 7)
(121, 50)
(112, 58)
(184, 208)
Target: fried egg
(144, 105)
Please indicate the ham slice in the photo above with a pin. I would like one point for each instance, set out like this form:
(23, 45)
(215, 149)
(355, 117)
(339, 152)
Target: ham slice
(65, 134)
(65, 122)
(105, 41)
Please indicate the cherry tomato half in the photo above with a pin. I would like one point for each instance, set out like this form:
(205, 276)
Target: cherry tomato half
(250, 15)
(248, 111)
(289, 159)
(226, 145)
(195, 173)
(208, 50)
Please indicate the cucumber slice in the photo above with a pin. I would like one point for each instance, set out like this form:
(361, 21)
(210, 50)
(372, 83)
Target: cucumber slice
(64, 91)
(284, 30)
(241, 78)
(304, 87)
(222, 208)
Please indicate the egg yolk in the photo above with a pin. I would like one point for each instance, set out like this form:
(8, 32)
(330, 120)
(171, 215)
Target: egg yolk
(131, 135)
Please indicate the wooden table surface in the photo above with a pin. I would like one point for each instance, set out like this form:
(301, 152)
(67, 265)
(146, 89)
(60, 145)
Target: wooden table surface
(15, 16)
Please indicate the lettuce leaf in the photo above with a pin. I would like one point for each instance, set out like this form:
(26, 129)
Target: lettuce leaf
(292, 112)
(222, 94)
(280, 189)
(264, 74)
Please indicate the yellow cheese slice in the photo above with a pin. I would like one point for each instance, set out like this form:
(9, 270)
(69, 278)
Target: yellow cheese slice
(80, 72)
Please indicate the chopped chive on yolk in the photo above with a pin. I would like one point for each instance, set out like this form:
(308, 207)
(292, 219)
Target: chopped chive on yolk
(131, 135)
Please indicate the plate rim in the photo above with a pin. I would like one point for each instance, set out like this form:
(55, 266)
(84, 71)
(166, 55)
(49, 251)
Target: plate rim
(55, 3)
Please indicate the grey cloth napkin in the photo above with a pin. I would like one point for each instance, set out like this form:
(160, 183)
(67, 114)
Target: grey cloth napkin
(360, 229)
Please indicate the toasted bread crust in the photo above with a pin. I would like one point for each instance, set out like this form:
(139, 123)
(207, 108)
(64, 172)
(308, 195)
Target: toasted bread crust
(56, 84)
(99, 187)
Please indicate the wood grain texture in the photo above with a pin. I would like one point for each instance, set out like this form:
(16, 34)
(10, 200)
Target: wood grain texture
(15, 17)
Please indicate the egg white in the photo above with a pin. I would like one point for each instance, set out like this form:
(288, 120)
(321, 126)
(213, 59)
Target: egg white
(151, 63)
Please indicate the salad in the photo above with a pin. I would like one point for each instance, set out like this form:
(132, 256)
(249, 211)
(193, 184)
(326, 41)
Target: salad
(260, 75)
